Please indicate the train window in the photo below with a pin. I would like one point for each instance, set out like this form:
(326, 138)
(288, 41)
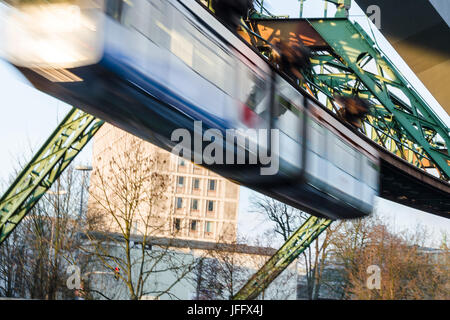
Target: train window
(287, 115)
(135, 15)
(211, 66)
(119, 10)
(113, 8)
(344, 156)
(156, 24)
(289, 97)
(252, 90)
(182, 47)
(370, 172)
(287, 121)
(316, 138)
(257, 94)
(162, 35)
(181, 41)
(199, 52)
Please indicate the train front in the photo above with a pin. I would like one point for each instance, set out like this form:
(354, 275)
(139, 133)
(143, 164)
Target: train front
(50, 37)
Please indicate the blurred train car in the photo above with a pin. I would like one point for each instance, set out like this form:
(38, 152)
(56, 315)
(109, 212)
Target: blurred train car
(153, 66)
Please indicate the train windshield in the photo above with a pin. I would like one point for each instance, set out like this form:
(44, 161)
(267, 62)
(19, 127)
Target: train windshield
(53, 33)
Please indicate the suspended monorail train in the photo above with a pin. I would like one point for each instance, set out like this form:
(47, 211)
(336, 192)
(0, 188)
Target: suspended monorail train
(152, 67)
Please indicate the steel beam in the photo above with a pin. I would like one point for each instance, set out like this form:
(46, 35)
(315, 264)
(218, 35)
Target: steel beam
(65, 143)
(412, 120)
(293, 247)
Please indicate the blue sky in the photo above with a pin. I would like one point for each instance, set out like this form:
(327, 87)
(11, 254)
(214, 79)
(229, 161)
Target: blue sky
(28, 117)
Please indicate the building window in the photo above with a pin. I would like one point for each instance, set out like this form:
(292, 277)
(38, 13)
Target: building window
(180, 181)
(196, 184)
(194, 225)
(194, 204)
(212, 185)
(179, 203)
(181, 162)
(208, 226)
(210, 205)
(177, 224)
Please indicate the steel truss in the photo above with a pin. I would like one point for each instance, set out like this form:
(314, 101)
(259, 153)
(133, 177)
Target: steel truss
(65, 143)
(293, 247)
(401, 120)
(351, 64)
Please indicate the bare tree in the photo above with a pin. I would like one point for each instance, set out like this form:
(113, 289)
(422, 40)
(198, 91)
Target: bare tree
(408, 270)
(221, 272)
(226, 267)
(287, 220)
(129, 208)
(34, 259)
(346, 245)
(316, 259)
(12, 273)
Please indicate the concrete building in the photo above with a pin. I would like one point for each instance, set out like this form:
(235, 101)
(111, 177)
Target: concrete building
(199, 205)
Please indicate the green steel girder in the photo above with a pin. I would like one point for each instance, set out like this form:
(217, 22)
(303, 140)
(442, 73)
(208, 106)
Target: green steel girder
(294, 246)
(410, 121)
(72, 134)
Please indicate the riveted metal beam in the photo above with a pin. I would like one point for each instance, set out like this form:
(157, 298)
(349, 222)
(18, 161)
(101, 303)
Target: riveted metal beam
(65, 143)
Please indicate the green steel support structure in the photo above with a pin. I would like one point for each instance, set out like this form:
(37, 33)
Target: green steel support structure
(352, 64)
(401, 120)
(36, 178)
(294, 246)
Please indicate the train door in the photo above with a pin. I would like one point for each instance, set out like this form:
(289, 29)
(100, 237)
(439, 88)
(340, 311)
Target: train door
(316, 167)
(287, 117)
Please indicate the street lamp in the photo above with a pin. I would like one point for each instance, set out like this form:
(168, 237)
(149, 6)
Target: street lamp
(83, 169)
(58, 193)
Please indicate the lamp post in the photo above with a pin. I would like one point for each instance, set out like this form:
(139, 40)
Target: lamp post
(301, 8)
(50, 249)
(83, 169)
